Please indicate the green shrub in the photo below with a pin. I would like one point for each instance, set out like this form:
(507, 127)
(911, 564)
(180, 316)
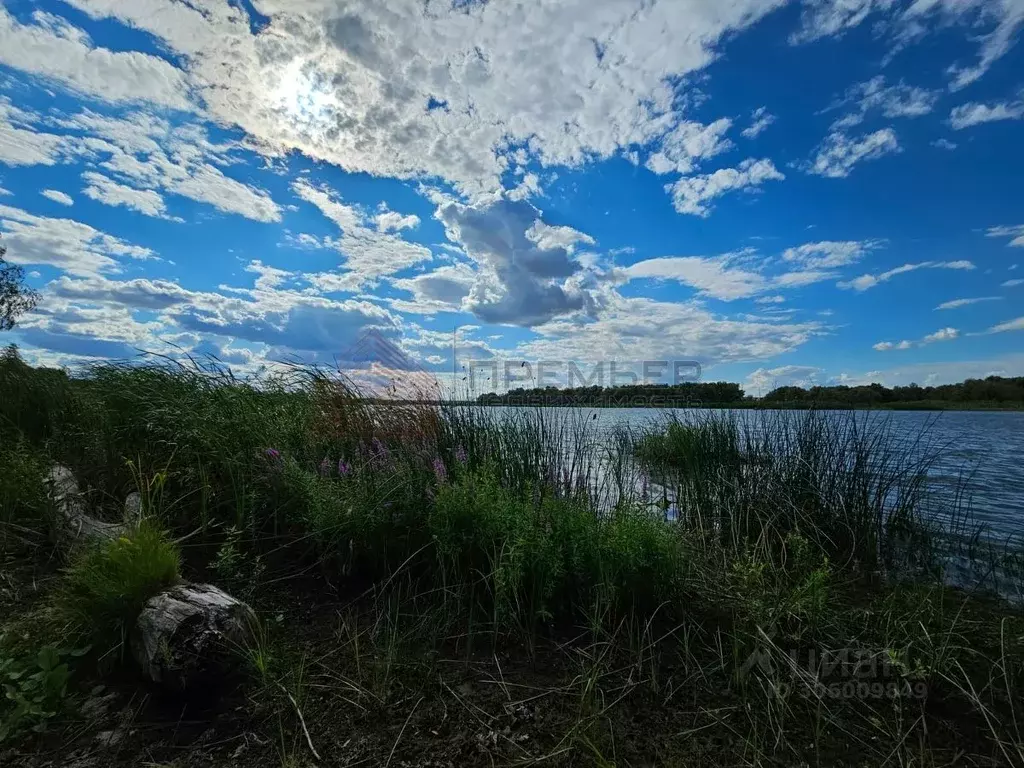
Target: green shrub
(33, 689)
(22, 496)
(107, 585)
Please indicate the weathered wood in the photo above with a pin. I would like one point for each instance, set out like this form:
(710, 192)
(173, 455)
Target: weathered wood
(189, 634)
(186, 635)
(133, 507)
(73, 524)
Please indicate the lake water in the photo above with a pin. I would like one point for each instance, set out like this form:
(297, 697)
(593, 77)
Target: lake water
(985, 449)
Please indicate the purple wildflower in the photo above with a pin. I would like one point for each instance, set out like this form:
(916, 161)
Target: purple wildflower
(344, 468)
(644, 486)
(379, 451)
(460, 455)
(440, 472)
(273, 453)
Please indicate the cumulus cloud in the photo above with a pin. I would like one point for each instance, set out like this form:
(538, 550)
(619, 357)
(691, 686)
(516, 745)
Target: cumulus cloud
(148, 153)
(683, 147)
(21, 143)
(943, 334)
(764, 380)
(445, 90)
(109, 192)
(525, 273)
(1013, 283)
(370, 251)
(691, 193)
(442, 290)
(973, 113)
(838, 153)
(636, 329)
(389, 221)
(63, 198)
(885, 346)
(865, 282)
(829, 254)
(140, 293)
(760, 118)
(53, 49)
(63, 243)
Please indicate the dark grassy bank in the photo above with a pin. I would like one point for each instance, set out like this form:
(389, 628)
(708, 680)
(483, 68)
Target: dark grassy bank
(437, 587)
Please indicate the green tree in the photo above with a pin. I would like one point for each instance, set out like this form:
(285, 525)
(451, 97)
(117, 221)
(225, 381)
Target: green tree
(16, 298)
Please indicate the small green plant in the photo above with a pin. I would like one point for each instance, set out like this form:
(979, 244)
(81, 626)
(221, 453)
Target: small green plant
(236, 566)
(34, 690)
(107, 585)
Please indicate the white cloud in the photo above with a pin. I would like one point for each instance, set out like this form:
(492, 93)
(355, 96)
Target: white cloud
(370, 252)
(838, 153)
(933, 373)
(389, 221)
(829, 254)
(687, 144)
(770, 300)
(692, 193)
(547, 237)
(149, 153)
(967, 115)
(63, 243)
(764, 380)
(635, 329)
(317, 70)
(900, 100)
(712, 276)
(1009, 325)
(63, 198)
(528, 187)
(957, 303)
(943, 334)
(109, 192)
(885, 346)
(1016, 234)
(442, 290)
(525, 271)
(761, 118)
(1013, 283)
(909, 22)
(21, 143)
(944, 144)
(864, 282)
(53, 49)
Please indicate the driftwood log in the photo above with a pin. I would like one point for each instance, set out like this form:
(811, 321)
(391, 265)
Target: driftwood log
(189, 635)
(186, 635)
(75, 526)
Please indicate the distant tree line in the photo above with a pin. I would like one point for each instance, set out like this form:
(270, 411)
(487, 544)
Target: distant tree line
(689, 394)
(993, 390)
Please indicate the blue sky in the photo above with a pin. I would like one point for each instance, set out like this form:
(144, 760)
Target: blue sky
(815, 192)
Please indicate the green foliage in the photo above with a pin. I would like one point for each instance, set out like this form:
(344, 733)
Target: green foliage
(107, 584)
(34, 689)
(22, 496)
(16, 298)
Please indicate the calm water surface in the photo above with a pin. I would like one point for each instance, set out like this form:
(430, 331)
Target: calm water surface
(986, 448)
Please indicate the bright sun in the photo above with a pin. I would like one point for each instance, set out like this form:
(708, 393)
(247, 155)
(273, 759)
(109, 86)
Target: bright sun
(300, 95)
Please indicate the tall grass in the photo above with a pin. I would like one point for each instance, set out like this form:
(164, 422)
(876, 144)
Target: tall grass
(668, 555)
